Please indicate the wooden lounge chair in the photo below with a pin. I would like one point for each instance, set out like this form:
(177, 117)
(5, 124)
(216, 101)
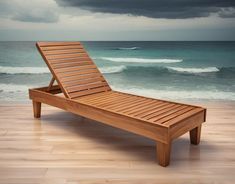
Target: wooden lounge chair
(87, 93)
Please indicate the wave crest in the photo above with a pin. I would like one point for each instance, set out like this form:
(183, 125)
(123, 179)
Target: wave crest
(194, 70)
(23, 70)
(141, 60)
(128, 48)
(112, 69)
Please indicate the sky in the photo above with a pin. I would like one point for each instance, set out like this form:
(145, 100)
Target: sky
(121, 20)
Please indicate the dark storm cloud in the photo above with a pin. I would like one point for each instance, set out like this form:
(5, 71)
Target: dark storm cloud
(171, 9)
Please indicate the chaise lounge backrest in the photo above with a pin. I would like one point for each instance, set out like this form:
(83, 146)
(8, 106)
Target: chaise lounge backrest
(72, 68)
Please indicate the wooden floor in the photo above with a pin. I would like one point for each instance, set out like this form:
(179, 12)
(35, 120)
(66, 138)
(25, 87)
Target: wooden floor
(64, 148)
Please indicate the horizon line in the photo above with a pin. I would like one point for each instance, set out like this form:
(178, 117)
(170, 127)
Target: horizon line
(121, 40)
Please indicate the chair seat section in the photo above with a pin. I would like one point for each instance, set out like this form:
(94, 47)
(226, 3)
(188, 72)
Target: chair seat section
(146, 109)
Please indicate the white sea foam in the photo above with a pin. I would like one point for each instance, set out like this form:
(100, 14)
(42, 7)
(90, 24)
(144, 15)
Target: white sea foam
(128, 48)
(13, 88)
(112, 69)
(9, 92)
(23, 70)
(194, 70)
(14, 92)
(42, 70)
(140, 60)
(178, 94)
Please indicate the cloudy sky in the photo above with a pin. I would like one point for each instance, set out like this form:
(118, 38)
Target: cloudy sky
(117, 20)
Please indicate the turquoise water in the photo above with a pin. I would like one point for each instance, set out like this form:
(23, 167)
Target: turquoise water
(168, 70)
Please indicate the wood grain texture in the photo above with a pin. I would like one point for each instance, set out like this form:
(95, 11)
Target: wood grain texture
(138, 126)
(163, 153)
(66, 59)
(195, 135)
(64, 148)
(36, 109)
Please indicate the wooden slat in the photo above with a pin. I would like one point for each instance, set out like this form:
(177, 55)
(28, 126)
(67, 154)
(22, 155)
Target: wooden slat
(140, 106)
(122, 98)
(77, 73)
(89, 92)
(48, 44)
(145, 108)
(86, 99)
(68, 64)
(86, 81)
(66, 56)
(58, 52)
(71, 80)
(180, 118)
(111, 100)
(61, 47)
(167, 113)
(173, 115)
(75, 68)
(93, 101)
(122, 101)
(63, 61)
(132, 105)
(101, 99)
(91, 98)
(152, 110)
(160, 110)
(87, 86)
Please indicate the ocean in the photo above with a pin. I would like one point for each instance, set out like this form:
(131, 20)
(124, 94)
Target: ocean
(166, 70)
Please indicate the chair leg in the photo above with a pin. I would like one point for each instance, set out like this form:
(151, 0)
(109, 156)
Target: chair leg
(37, 109)
(163, 153)
(195, 135)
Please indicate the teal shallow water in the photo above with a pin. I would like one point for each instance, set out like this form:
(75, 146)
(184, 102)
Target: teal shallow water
(169, 70)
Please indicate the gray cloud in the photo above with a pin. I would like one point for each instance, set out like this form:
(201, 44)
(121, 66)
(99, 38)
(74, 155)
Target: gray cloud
(26, 11)
(170, 9)
(45, 16)
(227, 13)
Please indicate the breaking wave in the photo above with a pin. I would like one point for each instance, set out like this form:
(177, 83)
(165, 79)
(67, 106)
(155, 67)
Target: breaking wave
(140, 60)
(23, 70)
(128, 48)
(112, 69)
(194, 70)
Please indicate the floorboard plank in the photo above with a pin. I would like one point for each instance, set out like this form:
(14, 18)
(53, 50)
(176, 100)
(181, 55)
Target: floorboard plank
(67, 149)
